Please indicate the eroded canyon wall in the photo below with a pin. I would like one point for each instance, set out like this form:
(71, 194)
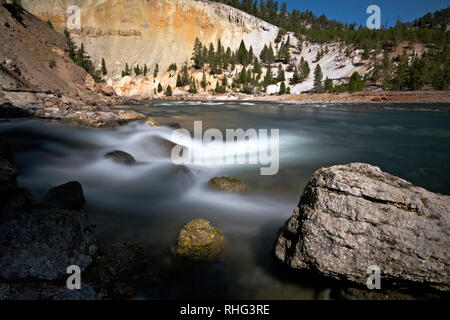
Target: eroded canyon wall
(153, 31)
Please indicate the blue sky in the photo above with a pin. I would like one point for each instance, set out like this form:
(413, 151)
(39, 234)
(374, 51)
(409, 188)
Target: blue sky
(355, 10)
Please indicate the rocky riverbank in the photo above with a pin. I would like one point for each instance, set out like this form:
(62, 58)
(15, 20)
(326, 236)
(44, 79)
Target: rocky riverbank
(374, 98)
(72, 112)
(41, 238)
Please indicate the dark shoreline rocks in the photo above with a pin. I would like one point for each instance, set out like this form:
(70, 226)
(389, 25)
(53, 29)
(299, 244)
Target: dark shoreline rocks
(354, 216)
(41, 244)
(8, 175)
(67, 196)
(40, 240)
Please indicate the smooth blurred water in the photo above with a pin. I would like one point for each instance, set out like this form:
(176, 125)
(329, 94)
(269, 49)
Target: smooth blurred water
(153, 199)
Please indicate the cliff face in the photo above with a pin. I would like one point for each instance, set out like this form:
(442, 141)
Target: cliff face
(153, 31)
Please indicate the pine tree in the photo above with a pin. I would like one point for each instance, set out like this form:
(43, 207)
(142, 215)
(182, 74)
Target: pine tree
(225, 81)
(283, 88)
(328, 85)
(242, 54)
(145, 70)
(197, 55)
(284, 54)
(318, 75)
(104, 71)
(126, 71)
(356, 82)
(156, 71)
(281, 73)
(172, 67)
(203, 83)
(169, 91)
(72, 46)
(386, 68)
(137, 70)
(270, 55)
(160, 88)
(243, 76)
(251, 55)
(268, 79)
(50, 24)
(295, 77)
(179, 84)
(263, 55)
(399, 80)
(211, 54)
(184, 76)
(304, 69)
(257, 67)
(192, 86)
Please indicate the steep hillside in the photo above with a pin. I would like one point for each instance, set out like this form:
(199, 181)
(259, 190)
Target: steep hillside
(153, 31)
(34, 57)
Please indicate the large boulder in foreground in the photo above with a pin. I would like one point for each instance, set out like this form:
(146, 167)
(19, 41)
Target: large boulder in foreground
(354, 216)
(41, 244)
(200, 241)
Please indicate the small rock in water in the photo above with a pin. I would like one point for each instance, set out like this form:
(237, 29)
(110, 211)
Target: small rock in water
(67, 196)
(121, 157)
(200, 241)
(228, 184)
(151, 122)
(130, 115)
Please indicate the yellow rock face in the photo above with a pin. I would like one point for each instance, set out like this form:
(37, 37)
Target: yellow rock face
(153, 31)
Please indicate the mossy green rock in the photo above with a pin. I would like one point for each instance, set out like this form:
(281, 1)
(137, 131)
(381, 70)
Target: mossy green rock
(228, 184)
(200, 241)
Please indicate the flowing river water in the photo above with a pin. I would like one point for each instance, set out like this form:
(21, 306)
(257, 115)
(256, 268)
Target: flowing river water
(151, 201)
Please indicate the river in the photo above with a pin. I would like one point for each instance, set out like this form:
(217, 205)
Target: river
(152, 200)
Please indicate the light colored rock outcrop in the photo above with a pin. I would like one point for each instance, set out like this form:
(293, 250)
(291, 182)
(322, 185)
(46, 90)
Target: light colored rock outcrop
(153, 31)
(354, 216)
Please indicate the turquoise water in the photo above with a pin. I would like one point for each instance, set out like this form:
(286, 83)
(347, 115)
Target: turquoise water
(151, 201)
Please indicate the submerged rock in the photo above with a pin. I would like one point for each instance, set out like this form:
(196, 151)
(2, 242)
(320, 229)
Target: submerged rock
(121, 157)
(66, 196)
(8, 175)
(120, 262)
(354, 216)
(6, 150)
(151, 122)
(200, 241)
(228, 184)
